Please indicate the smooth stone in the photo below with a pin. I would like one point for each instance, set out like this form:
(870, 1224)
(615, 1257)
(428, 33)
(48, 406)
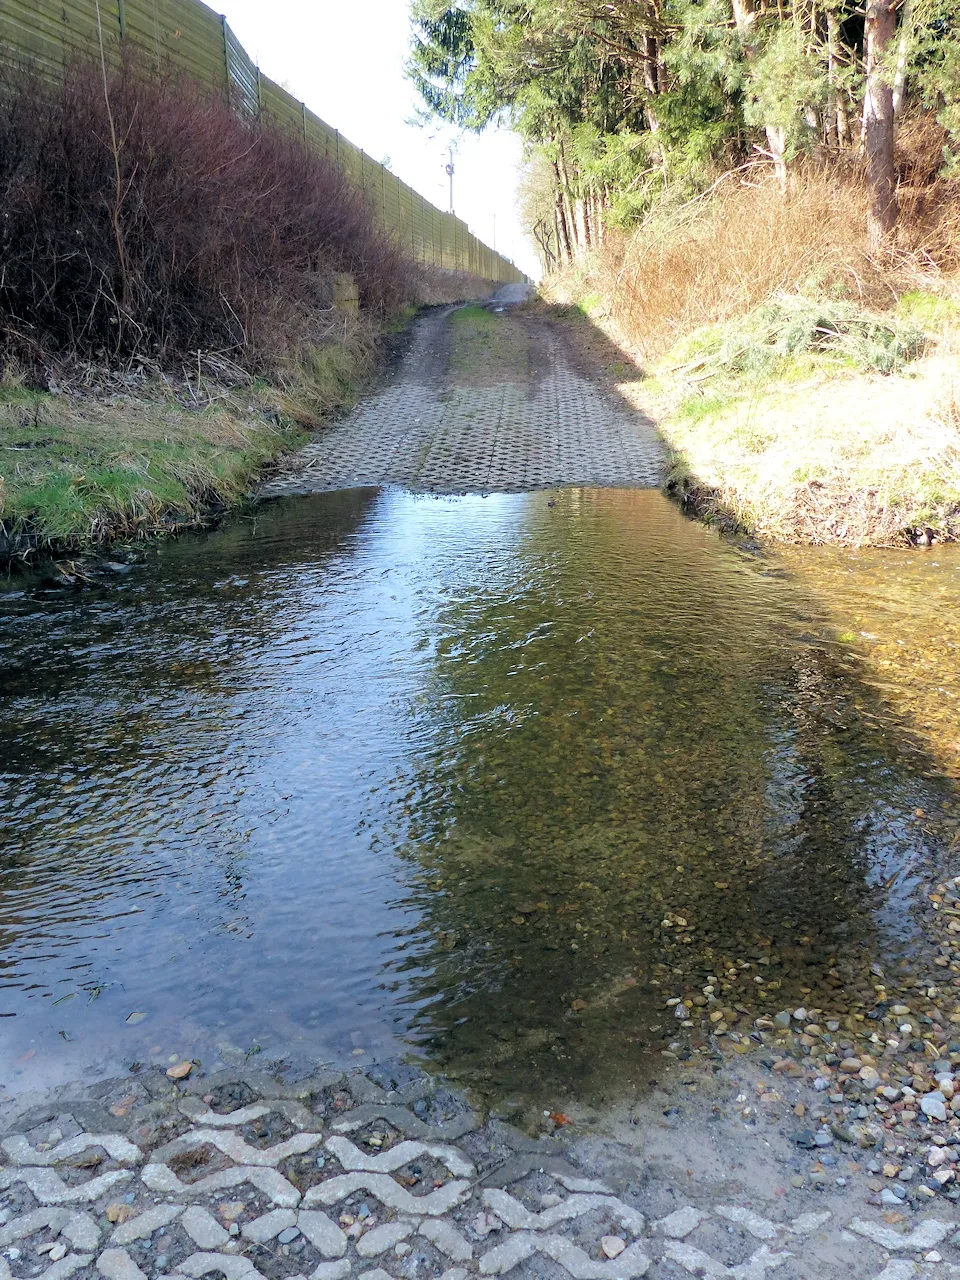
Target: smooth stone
(612, 1246)
(934, 1105)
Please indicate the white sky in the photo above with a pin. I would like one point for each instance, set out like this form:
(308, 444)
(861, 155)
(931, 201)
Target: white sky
(345, 61)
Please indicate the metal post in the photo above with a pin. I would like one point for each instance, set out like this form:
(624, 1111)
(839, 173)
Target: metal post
(121, 19)
(226, 55)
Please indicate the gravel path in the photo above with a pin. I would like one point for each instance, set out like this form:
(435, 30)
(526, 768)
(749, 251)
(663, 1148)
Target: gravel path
(392, 1176)
(512, 429)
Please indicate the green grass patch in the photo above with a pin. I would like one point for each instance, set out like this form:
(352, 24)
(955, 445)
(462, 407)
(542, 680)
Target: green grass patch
(487, 346)
(928, 310)
(80, 469)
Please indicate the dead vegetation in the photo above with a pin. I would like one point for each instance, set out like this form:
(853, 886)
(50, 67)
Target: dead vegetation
(803, 384)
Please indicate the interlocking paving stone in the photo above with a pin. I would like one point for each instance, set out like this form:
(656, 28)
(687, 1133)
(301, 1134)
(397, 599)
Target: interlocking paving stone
(204, 1230)
(116, 1264)
(232, 1145)
(679, 1224)
(759, 1228)
(631, 1263)
(322, 1232)
(234, 1268)
(116, 1147)
(384, 1237)
(145, 1224)
(555, 428)
(447, 1239)
(82, 1232)
(479, 1228)
(202, 1114)
(332, 1270)
(515, 1215)
(404, 1120)
(283, 1194)
(389, 1193)
(899, 1269)
(354, 1160)
(808, 1222)
(925, 1235)
(49, 1187)
(268, 1225)
(701, 1264)
(36, 1220)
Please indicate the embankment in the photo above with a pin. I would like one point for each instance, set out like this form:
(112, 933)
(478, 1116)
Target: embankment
(807, 391)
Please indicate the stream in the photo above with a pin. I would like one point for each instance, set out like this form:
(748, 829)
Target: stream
(480, 779)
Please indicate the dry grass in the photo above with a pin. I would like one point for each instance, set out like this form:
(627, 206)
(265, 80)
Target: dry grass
(434, 286)
(858, 459)
(722, 255)
(805, 446)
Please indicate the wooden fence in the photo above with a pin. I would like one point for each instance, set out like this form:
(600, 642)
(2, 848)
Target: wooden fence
(186, 36)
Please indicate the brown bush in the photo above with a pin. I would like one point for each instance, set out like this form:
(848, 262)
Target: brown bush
(141, 217)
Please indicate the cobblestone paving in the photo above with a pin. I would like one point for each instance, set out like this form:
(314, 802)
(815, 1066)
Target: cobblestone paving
(428, 436)
(385, 1178)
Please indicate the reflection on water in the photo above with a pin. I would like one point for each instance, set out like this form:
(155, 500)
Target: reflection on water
(488, 777)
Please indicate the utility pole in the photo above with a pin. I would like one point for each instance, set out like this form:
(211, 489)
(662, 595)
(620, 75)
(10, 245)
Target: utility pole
(449, 170)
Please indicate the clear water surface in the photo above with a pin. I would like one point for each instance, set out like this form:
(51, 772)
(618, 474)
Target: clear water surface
(476, 778)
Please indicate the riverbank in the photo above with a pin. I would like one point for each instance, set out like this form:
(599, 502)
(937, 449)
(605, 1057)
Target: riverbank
(256, 1174)
(807, 392)
(105, 456)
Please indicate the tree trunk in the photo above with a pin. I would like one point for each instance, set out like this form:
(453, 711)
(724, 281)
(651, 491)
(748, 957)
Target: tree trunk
(903, 54)
(878, 122)
(832, 116)
(573, 229)
(777, 145)
(651, 80)
(564, 248)
(745, 17)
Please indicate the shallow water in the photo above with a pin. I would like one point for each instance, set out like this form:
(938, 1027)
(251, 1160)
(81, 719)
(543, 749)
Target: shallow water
(480, 778)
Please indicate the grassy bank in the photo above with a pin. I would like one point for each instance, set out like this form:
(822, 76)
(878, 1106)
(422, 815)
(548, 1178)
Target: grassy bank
(807, 392)
(136, 453)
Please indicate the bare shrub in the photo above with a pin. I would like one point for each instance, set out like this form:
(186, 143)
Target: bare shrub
(141, 217)
(436, 285)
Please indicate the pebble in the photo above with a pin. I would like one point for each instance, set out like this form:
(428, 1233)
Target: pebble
(612, 1246)
(934, 1105)
(288, 1235)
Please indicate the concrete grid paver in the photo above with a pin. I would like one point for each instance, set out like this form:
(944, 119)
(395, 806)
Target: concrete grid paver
(555, 429)
(405, 1199)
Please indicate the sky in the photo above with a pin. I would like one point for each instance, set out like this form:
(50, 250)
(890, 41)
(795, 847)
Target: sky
(345, 61)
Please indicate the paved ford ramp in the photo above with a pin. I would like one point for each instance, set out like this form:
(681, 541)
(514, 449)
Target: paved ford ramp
(438, 429)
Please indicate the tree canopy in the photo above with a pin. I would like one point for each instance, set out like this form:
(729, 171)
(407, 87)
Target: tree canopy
(628, 101)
